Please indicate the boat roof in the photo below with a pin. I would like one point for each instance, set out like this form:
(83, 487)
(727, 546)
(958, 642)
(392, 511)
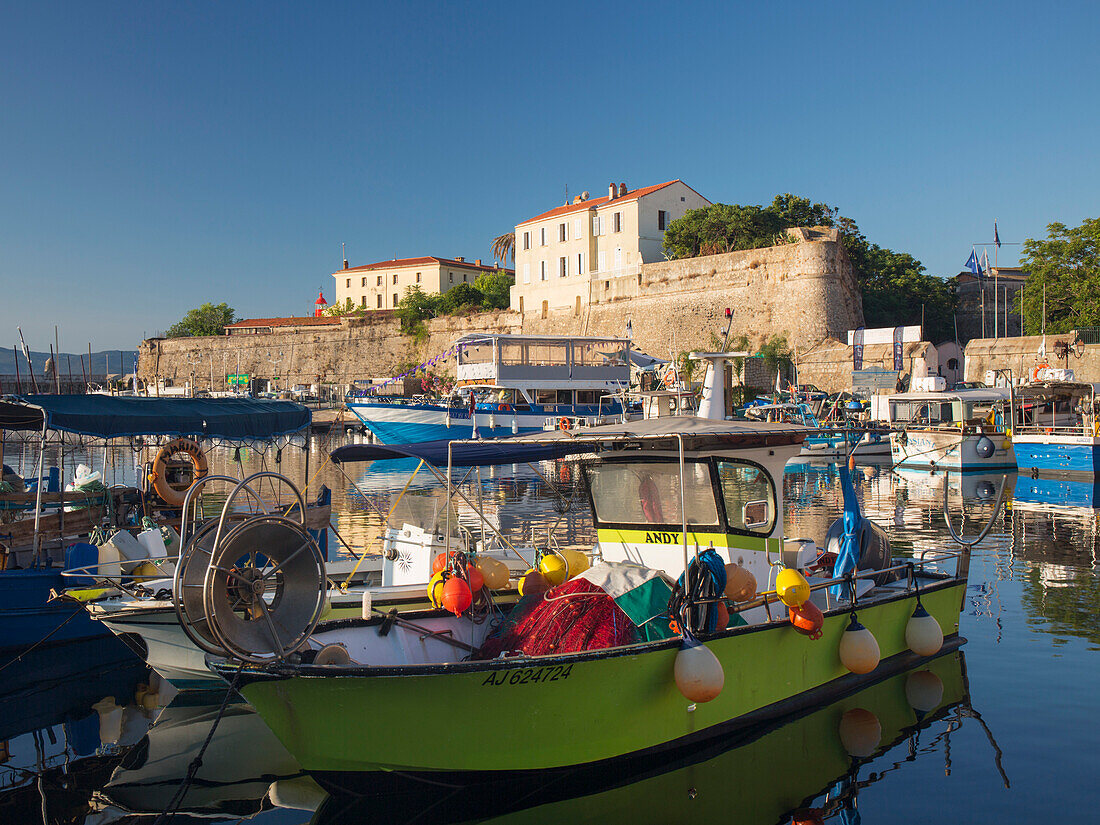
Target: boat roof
(977, 394)
(113, 416)
(656, 434)
(478, 337)
(1048, 389)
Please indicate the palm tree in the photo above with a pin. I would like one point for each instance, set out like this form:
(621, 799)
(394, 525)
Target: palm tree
(504, 247)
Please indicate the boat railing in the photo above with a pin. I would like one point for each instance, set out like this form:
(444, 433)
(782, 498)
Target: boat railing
(1038, 429)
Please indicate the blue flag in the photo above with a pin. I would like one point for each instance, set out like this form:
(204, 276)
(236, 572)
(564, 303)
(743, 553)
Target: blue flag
(973, 265)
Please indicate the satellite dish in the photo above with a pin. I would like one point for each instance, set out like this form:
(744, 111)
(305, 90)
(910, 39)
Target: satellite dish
(264, 589)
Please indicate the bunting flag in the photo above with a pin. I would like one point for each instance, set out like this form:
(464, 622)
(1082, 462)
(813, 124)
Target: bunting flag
(996, 237)
(972, 263)
(857, 350)
(898, 339)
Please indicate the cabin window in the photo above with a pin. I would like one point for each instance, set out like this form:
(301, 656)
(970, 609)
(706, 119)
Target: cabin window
(648, 493)
(588, 396)
(546, 397)
(749, 497)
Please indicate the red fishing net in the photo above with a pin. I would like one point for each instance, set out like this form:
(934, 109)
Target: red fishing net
(571, 617)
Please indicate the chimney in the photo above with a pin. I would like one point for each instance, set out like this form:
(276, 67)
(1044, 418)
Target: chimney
(460, 258)
(611, 191)
(622, 190)
(477, 262)
(345, 263)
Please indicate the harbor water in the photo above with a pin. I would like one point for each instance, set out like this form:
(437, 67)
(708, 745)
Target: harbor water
(999, 732)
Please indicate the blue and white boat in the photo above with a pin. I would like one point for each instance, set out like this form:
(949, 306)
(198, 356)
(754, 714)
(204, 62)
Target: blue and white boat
(962, 430)
(510, 385)
(828, 440)
(1056, 427)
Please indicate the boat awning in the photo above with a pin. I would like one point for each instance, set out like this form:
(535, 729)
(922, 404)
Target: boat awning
(698, 434)
(110, 416)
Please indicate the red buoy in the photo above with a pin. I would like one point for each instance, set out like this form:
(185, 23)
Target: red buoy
(456, 595)
(477, 580)
(807, 619)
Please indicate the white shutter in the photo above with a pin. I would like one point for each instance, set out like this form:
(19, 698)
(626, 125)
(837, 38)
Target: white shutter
(600, 261)
(595, 224)
(576, 228)
(618, 257)
(527, 273)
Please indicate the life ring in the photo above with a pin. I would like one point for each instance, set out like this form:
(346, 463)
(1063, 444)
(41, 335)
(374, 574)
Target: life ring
(504, 407)
(1035, 372)
(564, 423)
(670, 379)
(174, 494)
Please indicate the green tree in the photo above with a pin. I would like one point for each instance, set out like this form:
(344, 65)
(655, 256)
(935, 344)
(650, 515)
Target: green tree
(495, 289)
(458, 297)
(413, 308)
(792, 210)
(504, 247)
(720, 228)
(1067, 264)
(209, 319)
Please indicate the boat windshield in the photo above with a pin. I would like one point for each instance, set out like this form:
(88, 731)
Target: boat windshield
(648, 493)
(749, 496)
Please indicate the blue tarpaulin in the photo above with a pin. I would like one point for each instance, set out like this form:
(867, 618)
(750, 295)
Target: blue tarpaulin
(112, 416)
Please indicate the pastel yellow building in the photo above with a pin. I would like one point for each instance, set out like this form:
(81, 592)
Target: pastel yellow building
(560, 253)
(381, 285)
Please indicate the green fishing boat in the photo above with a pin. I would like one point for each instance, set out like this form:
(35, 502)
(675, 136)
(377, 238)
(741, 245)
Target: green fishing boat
(697, 617)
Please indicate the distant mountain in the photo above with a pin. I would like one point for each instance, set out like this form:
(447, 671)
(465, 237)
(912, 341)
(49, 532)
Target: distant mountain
(112, 361)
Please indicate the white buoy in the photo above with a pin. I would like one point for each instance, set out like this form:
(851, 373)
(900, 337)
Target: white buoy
(923, 691)
(860, 732)
(699, 674)
(367, 604)
(859, 650)
(923, 633)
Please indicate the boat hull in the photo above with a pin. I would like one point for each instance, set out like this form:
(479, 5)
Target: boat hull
(950, 450)
(27, 616)
(1078, 454)
(553, 712)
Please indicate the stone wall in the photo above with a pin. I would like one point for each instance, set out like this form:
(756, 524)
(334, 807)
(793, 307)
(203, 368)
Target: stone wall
(829, 365)
(1021, 355)
(804, 290)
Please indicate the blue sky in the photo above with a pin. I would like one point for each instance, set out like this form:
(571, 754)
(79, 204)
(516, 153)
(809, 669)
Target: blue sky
(155, 156)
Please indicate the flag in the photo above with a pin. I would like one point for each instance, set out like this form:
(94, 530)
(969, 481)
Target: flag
(898, 340)
(972, 263)
(629, 329)
(996, 237)
(984, 270)
(857, 350)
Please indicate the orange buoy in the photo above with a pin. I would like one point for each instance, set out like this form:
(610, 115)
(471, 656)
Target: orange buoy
(923, 633)
(807, 619)
(860, 732)
(477, 581)
(698, 673)
(723, 620)
(456, 595)
(808, 816)
(858, 648)
(740, 583)
(440, 561)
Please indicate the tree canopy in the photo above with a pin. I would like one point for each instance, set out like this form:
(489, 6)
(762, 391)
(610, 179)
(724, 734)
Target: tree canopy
(1067, 264)
(209, 319)
(894, 285)
(489, 291)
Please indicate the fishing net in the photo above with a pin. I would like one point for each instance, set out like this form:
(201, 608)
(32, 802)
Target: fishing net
(571, 617)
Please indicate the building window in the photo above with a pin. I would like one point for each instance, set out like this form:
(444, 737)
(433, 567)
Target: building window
(542, 236)
(595, 224)
(379, 300)
(526, 240)
(545, 307)
(463, 277)
(681, 199)
(527, 273)
(364, 303)
(580, 263)
(563, 267)
(520, 304)
(364, 282)
(542, 270)
(395, 299)
(617, 222)
(953, 364)
(418, 277)
(395, 277)
(578, 310)
(563, 232)
(576, 228)
(662, 219)
(450, 277)
(349, 283)
(379, 280)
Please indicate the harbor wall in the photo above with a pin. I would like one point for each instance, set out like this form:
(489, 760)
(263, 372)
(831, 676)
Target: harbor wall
(829, 365)
(804, 290)
(1021, 355)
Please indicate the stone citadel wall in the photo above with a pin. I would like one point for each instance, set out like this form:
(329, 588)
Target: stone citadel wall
(804, 290)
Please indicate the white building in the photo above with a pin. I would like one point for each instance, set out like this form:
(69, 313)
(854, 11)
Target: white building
(381, 285)
(559, 253)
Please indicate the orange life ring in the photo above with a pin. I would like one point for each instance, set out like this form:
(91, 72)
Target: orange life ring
(670, 379)
(564, 424)
(174, 493)
(1035, 372)
(504, 408)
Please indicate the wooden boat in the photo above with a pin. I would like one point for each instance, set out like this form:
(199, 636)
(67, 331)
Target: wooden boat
(961, 430)
(707, 490)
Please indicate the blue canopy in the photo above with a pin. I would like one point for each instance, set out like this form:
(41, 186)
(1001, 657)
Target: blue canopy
(113, 416)
(463, 453)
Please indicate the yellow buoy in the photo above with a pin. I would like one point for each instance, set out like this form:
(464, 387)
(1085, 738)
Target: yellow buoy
(860, 732)
(923, 633)
(494, 571)
(435, 589)
(923, 691)
(699, 675)
(145, 571)
(533, 582)
(791, 587)
(740, 583)
(577, 561)
(858, 648)
(553, 567)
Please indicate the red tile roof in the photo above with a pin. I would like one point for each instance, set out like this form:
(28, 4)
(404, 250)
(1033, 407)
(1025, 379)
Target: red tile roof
(307, 321)
(596, 202)
(427, 259)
